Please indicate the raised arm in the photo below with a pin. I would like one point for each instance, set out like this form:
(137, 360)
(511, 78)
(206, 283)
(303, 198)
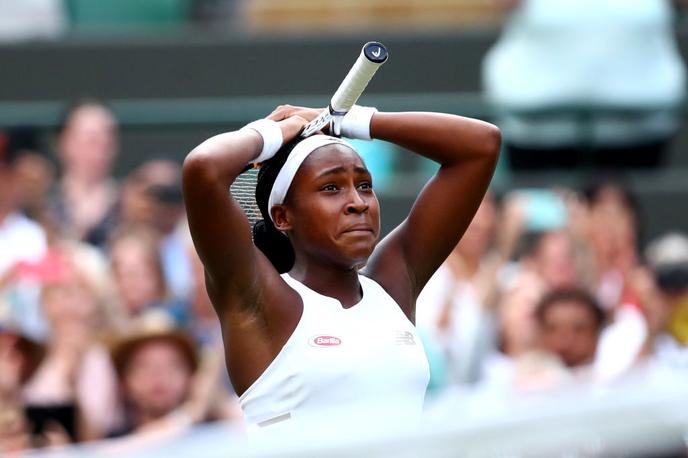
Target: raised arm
(218, 226)
(467, 151)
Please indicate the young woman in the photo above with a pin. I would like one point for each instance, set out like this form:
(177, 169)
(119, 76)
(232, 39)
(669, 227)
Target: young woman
(320, 314)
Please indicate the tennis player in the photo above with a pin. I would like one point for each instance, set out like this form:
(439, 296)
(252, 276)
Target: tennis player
(319, 313)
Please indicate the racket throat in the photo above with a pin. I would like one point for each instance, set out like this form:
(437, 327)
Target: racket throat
(328, 117)
(336, 118)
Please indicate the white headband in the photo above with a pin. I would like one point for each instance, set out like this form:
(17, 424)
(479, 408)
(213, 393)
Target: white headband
(291, 166)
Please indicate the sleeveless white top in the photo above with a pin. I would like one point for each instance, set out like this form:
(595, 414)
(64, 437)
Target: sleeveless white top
(353, 358)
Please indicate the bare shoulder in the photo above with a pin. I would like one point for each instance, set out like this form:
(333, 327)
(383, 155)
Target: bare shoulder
(255, 331)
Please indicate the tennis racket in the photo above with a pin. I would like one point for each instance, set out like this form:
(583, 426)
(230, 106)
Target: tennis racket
(372, 56)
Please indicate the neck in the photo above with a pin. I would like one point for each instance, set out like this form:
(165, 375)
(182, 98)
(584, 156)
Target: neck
(338, 283)
(77, 183)
(144, 418)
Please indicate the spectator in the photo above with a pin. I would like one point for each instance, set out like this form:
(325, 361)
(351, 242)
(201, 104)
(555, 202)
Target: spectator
(162, 184)
(19, 358)
(455, 305)
(86, 193)
(76, 372)
(619, 279)
(36, 178)
(570, 322)
(613, 234)
(518, 364)
(554, 259)
(21, 239)
(668, 321)
(559, 65)
(137, 268)
(156, 363)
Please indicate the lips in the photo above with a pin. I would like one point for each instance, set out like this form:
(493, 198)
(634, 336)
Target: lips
(359, 228)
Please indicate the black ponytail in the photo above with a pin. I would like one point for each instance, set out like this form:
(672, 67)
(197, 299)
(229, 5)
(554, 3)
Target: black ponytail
(274, 244)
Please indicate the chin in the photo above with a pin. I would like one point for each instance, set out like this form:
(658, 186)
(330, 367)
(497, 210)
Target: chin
(360, 258)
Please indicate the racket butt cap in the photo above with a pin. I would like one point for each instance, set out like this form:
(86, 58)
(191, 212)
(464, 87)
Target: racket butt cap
(375, 52)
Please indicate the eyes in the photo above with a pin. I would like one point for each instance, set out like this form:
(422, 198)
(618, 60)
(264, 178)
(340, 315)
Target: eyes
(335, 187)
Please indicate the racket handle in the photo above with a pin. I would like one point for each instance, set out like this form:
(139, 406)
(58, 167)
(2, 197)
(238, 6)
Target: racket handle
(373, 55)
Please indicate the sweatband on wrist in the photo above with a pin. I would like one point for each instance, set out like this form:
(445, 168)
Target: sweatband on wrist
(288, 171)
(272, 137)
(356, 123)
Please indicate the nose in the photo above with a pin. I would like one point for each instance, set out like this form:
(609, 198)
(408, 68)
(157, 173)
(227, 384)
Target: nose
(356, 203)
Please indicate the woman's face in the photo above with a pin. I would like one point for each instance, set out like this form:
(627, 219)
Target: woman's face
(89, 142)
(136, 273)
(331, 212)
(157, 378)
(71, 309)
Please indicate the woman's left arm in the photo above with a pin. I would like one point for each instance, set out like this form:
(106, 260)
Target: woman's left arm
(467, 151)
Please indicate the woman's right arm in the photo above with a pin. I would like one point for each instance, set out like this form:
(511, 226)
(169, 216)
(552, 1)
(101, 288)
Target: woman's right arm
(219, 228)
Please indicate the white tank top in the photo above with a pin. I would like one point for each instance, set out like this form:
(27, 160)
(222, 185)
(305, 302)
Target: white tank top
(353, 358)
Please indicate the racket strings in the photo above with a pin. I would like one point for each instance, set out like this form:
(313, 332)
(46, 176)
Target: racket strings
(243, 191)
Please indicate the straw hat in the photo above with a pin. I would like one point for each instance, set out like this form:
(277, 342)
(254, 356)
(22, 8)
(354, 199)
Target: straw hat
(153, 325)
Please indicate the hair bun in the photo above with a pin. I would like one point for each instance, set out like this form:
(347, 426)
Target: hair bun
(274, 245)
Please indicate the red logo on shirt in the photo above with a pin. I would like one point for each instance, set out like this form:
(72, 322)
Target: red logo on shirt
(325, 341)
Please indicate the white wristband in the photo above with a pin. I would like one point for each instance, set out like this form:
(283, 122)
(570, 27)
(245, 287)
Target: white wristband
(272, 137)
(356, 123)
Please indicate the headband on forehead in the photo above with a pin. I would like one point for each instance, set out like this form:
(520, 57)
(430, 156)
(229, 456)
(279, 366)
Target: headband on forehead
(299, 154)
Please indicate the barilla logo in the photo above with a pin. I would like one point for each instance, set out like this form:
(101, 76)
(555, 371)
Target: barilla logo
(324, 341)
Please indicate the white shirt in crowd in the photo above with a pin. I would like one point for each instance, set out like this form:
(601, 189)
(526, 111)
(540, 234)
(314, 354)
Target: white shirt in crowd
(20, 240)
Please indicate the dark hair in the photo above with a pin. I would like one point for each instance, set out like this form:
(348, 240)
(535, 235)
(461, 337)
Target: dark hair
(577, 295)
(273, 243)
(16, 142)
(593, 190)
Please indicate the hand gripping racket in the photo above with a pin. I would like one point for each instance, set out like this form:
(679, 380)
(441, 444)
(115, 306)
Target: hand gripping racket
(372, 56)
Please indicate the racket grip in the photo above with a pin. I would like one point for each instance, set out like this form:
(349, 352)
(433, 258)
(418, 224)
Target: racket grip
(372, 56)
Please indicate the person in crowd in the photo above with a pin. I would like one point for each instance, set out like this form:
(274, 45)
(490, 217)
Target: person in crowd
(162, 386)
(518, 363)
(613, 235)
(619, 279)
(137, 268)
(21, 239)
(162, 183)
(76, 373)
(570, 322)
(456, 305)
(19, 358)
(36, 178)
(85, 198)
(555, 260)
(586, 82)
(668, 319)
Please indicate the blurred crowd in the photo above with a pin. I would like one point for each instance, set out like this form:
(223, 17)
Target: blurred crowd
(552, 287)
(105, 325)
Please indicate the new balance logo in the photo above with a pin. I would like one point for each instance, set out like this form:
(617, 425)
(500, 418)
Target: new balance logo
(405, 338)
